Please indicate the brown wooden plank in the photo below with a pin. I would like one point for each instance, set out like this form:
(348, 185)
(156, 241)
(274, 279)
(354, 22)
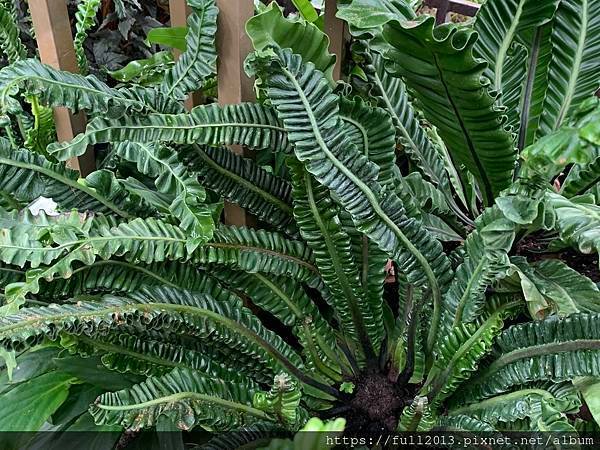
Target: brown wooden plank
(443, 7)
(464, 7)
(335, 28)
(55, 43)
(233, 45)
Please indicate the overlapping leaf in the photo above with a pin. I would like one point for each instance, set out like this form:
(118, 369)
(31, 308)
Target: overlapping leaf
(186, 397)
(270, 27)
(503, 26)
(317, 217)
(56, 88)
(572, 74)
(27, 176)
(288, 302)
(172, 178)
(199, 60)
(248, 124)
(454, 96)
(577, 220)
(310, 111)
(245, 183)
(556, 348)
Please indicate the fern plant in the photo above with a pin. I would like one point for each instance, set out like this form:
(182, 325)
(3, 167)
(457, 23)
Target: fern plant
(437, 156)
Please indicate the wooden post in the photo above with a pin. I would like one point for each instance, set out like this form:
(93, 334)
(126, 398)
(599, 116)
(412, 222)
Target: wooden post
(55, 43)
(233, 46)
(443, 7)
(334, 28)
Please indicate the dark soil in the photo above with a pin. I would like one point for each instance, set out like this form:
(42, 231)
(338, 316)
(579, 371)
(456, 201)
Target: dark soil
(535, 250)
(376, 405)
(584, 264)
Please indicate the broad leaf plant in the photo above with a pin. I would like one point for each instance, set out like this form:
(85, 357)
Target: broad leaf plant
(467, 155)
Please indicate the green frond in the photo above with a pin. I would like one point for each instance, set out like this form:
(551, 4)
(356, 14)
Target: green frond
(459, 354)
(122, 276)
(365, 18)
(418, 416)
(126, 353)
(85, 19)
(249, 124)
(510, 32)
(234, 326)
(411, 322)
(556, 348)
(309, 111)
(454, 97)
(317, 217)
(10, 39)
(372, 132)
(258, 251)
(577, 220)
(220, 323)
(199, 60)
(282, 401)
(271, 28)
(155, 352)
(522, 403)
(43, 131)
(172, 178)
(486, 260)
(289, 303)
(146, 72)
(155, 100)
(461, 422)
(550, 286)
(186, 397)
(427, 197)
(390, 93)
(576, 144)
(53, 246)
(242, 181)
(572, 77)
(56, 88)
(582, 178)
(27, 176)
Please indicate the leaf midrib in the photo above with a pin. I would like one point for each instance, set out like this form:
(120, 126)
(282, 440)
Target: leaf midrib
(369, 195)
(574, 72)
(180, 396)
(66, 181)
(245, 183)
(338, 268)
(489, 192)
(154, 238)
(539, 350)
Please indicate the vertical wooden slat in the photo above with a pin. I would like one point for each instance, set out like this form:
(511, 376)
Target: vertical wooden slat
(334, 28)
(441, 15)
(233, 46)
(55, 43)
(178, 10)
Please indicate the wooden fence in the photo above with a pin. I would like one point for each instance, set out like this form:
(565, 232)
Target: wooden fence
(55, 42)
